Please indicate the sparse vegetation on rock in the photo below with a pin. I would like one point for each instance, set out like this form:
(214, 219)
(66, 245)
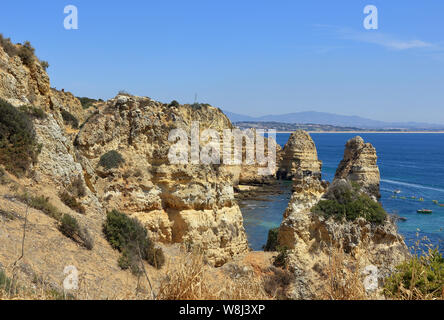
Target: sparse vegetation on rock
(174, 103)
(272, 241)
(346, 201)
(86, 102)
(72, 202)
(70, 119)
(419, 278)
(111, 160)
(18, 146)
(41, 203)
(33, 112)
(71, 228)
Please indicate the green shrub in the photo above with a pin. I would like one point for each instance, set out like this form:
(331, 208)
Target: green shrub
(346, 201)
(421, 277)
(27, 53)
(111, 159)
(77, 188)
(18, 146)
(281, 260)
(72, 202)
(69, 226)
(69, 119)
(129, 237)
(7, 45)
(272, 241)
(44, 64)
(41, 203)
(86, 102)
(33, 112)
(174, 103)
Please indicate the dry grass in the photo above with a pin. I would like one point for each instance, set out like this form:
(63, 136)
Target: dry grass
(189, 279)
(344, 281)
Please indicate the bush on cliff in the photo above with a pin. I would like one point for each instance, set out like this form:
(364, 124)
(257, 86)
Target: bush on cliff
(69, 119)
(174, 103)
(346, 201)
(419, 278)
(70, 227)
(25, 52)
(72, 202)
(129, 237)
(33, 112)
(111, 160)
(86, 102)
(272, 241)
(18, 146)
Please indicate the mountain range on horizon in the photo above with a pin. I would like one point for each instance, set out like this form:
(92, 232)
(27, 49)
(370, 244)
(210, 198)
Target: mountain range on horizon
(325, 118)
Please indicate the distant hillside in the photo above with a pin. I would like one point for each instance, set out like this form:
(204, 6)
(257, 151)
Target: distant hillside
(331, 119)
(280, 126)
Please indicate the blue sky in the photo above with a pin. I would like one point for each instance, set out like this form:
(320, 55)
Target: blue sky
(251, 57)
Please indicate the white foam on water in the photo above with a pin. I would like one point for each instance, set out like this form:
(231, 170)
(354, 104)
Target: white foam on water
(411, 185)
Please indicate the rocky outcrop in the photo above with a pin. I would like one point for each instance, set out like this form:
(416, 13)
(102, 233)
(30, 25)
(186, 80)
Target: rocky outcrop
(178, 203)
(299, 158)
(313, 239)
(64, 100)
(360, 165)
(21, 84)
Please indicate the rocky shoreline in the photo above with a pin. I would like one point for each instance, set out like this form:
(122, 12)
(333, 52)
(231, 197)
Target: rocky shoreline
(119, 157)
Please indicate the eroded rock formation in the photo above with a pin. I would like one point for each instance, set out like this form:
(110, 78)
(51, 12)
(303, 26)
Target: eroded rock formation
(360, 165)
(299, 158)
(313, 239)
(189, 203)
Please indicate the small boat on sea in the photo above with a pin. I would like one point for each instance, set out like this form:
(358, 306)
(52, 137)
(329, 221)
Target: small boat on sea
(421, 199)
(425, 211)
(413, 197)
(441, 205)
(397, 191)
(435, 201)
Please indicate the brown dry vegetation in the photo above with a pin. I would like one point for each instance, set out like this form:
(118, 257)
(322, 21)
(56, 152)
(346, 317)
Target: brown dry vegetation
(190, 279)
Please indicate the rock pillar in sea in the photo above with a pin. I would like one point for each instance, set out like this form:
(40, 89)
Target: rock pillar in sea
(299, 158)
(360, 165)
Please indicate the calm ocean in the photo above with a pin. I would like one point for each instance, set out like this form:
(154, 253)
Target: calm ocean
(412, 163)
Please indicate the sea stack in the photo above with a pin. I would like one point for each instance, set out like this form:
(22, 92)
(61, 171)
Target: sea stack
(313, 238)
(359, 165)
(299, 158)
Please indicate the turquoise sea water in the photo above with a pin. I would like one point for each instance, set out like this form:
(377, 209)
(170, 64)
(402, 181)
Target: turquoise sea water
(412, 163)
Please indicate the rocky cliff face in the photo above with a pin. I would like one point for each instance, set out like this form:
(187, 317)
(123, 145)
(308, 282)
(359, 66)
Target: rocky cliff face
(189, 203)
(313, 239)
(360, 165)
(21, 84)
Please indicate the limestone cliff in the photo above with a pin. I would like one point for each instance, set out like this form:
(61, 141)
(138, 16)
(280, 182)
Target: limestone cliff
(360, 165)
(189, 203)
(313, 239)
(21, 84)
(299, 157)
(28, 84)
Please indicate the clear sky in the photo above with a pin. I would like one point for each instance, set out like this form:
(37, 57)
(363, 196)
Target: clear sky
(252, 57)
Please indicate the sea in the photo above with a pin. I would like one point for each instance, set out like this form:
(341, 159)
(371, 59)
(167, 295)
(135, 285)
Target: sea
(410, 162)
